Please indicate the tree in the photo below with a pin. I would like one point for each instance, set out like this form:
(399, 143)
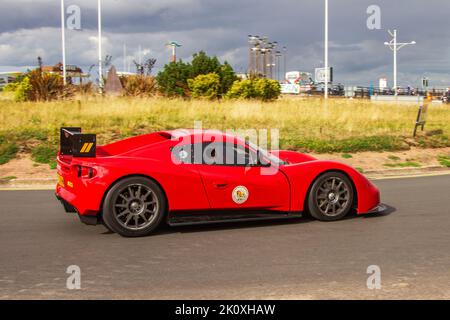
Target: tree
(227, 78)
(205, 86)
(172, 81)
(145, 68)
(202, 64)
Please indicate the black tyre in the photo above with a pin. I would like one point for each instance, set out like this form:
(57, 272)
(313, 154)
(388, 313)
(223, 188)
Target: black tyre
(331, 197)
(134, 207)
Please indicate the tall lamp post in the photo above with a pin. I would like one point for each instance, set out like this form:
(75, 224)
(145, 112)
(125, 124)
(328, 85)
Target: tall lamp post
(100, 59)
(278, 56)
(326, 49)
(395, 47)
(271, 51)
(63, 38)
(253, 42)
(256, 52)
(173, 45)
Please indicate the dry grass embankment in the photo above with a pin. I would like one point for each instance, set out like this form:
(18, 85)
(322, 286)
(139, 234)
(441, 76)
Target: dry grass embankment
(345, 126)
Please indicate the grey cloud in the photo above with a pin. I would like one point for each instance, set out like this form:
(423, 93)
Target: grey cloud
(31, 28)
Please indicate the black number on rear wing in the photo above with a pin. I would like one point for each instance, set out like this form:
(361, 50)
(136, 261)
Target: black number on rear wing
(76, 144)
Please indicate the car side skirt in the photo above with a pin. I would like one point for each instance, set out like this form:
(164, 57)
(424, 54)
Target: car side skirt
(186, 218)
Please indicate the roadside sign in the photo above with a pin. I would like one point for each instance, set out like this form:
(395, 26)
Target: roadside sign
(383, 83)
(421, 118)
(293, 77)
(321, 74)
(288, 88)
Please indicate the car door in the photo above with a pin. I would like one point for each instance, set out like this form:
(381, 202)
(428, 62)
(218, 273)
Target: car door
(239, 182)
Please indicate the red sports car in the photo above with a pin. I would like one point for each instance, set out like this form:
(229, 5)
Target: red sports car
(188, 177)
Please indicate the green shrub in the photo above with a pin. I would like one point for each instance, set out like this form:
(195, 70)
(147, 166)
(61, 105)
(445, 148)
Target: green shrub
(173, 79)
(205, 86)
(45, 154)
(267, 89)
(444, 161)
(227, 78)
(436, 141)
(21, 89)
(38, 86)
(261, 89)
(408, 164)
(45, 86)
(7, 151)
(242, 89)
(139, 86)
(202, 64)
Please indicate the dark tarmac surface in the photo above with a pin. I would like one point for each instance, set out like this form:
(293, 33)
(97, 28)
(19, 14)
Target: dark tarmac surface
(299, 259)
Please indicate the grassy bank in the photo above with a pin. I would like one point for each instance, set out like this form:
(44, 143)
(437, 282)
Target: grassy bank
(310, 125)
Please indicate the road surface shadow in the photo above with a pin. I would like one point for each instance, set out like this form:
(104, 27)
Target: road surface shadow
(166, 229)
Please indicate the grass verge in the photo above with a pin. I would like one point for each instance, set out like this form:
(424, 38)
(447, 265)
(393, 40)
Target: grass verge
(339, 126)
(407, 164)
(45, 154)
(8, 151)
(444, 161)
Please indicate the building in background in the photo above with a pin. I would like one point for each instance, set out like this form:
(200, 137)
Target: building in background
(74, 74)
(8, 77)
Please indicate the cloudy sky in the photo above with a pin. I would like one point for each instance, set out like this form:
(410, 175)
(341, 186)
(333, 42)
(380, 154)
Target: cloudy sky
(31, 28)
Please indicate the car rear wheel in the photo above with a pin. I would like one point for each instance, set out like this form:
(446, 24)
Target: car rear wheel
(134, 207)
(331, 197)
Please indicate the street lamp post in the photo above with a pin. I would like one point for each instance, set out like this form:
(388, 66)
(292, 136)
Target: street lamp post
(253, 43)
(274, 59)
(278, 63)
(173, 45)
(395, 47)
(124, 57)
(63, 38)
(255, 54)
(100, 59)
(326, 49)
(284, 62)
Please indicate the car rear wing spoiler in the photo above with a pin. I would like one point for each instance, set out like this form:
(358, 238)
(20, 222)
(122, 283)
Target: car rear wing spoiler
(76, 144)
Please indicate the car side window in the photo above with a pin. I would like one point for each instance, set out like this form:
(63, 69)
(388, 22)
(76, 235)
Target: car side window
(224, 154)
(182, 154)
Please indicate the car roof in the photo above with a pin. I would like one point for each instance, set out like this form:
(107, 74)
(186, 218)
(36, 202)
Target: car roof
(196, 135)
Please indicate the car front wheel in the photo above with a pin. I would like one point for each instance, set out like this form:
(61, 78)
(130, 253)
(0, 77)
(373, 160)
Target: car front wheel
(331, 197)
(134, 207)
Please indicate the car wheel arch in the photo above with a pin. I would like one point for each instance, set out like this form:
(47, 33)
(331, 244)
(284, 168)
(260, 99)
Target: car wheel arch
(355, 190)
(133, 176)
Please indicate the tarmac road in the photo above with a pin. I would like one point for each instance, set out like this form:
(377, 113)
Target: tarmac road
(301, 259)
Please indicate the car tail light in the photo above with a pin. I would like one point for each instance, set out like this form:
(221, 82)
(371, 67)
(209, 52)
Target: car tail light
(86, 172)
